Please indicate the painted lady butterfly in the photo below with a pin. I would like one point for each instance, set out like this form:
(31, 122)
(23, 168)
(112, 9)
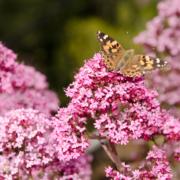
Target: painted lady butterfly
(116, 58)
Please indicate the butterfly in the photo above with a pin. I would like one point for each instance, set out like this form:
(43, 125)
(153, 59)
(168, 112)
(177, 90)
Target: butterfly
(116, 58)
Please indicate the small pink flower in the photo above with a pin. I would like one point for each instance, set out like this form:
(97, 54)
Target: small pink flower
(162, 36)
(23, 141)
(22, 86)
(156, 166)
(121, 108)
(68, 138)
(7, 67)
(79, 169)
(27, 77)
(45, 101)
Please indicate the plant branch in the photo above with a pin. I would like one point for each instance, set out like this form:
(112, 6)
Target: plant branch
(110, 150)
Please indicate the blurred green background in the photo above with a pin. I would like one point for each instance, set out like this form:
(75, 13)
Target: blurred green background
(56, 36)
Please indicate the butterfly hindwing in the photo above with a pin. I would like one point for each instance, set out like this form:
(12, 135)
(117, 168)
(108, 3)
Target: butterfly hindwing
(140, 64)
(149, 63)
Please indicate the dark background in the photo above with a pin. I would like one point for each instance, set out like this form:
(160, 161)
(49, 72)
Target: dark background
(56, 36)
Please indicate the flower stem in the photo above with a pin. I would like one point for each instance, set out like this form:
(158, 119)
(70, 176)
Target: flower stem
(110, 150)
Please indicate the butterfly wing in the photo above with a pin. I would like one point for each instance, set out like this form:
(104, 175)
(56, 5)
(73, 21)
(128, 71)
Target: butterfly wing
(127, 56)
(116, 58)
(111, 50)
(149, 63)
(140, 64)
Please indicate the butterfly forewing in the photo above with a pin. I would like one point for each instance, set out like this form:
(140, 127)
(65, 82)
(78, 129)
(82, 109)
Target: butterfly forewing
(112, 51)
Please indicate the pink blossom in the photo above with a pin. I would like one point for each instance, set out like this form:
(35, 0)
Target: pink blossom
(162, 37)
(29, 139)
(160, 167)
(27, 77)
(169, 8)
(22, 86)
(7, 66)
(76, 169)
(171, 128)
(68, 138)
(156, 166)
(7, 58)
(27, 149)
(23, 141)
(14, 75)
(121, 108)
(45, 101)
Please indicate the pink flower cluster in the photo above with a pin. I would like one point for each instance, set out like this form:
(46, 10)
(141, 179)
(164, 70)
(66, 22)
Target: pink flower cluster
(27, 77)
(23, 141)
(121, 108)
(26, 151)
(28, 133)
(171, 128)
(35, 144)
(76, 169)
(156, 166)
(68, 137)
(14, 75)
(7, 67)
(162, 38)
(25, 87)
(45, 101)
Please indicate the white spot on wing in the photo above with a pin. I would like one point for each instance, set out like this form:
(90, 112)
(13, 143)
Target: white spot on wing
(105, 36)
(147, 58)
(157, 60)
